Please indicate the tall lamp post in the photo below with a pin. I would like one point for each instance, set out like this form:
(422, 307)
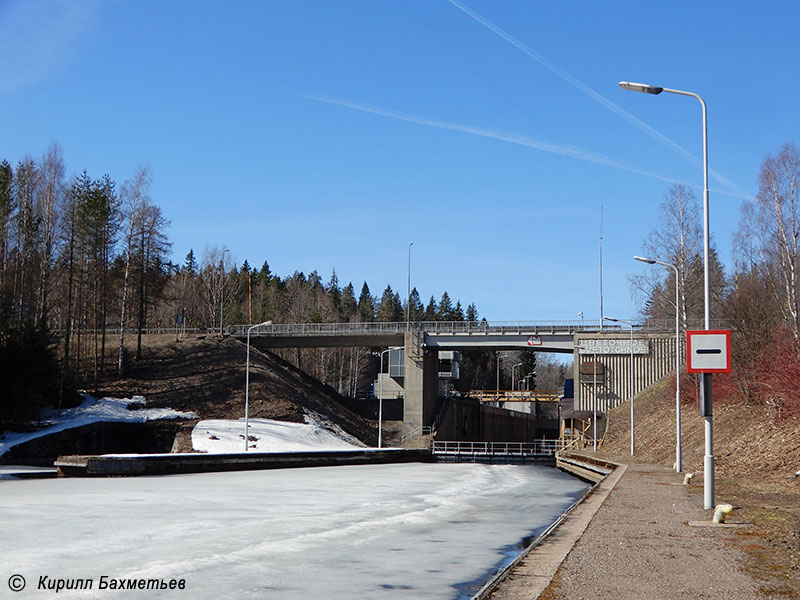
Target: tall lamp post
(380, 401)
(247, 384)
(408, 295)
(221, 289)
(594, 394)
(705, 378)
(678, 461)
(513, 381)
(630, 324)
(499, 358)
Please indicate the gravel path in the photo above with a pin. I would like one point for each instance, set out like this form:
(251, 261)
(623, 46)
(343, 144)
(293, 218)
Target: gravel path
(639, 544)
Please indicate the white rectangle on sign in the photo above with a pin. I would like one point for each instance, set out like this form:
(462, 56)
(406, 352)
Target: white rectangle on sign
(708, 351)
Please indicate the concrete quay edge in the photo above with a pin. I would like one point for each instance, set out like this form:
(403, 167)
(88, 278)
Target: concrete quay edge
(176, 464)
(533, 570)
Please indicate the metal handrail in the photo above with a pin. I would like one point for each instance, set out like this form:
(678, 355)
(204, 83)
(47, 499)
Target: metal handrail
(448, 328)
(537, 447)
(429, 327)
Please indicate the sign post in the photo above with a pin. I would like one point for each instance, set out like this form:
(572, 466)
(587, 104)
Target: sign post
(708, 351)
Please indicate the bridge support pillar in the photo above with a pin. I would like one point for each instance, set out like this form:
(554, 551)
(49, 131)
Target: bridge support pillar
(420, 382)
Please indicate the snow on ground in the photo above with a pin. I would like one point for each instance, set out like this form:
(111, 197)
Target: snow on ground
(217, 436)
(213, 436)
(92, 410)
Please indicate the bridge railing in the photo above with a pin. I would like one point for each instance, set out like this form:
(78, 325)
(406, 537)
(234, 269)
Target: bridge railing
(537, 447)
(459, 328)
(429, 327)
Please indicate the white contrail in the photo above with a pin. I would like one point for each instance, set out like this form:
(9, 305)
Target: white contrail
(505, 136)
(618, 110)
(496, 134)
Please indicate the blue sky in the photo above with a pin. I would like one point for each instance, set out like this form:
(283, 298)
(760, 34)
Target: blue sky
(331, 134)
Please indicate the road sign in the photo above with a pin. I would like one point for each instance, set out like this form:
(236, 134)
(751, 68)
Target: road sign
(534, 340)
(708, 351)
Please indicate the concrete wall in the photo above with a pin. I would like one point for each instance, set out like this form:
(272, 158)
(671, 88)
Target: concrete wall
(647, 369)
(421, 383)
(96, 438)
(470, 420)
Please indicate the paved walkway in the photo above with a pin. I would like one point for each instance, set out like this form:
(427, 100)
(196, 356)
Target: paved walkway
(634, 541)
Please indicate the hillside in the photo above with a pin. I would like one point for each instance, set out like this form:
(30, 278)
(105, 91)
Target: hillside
(757, 454)
(207, 377)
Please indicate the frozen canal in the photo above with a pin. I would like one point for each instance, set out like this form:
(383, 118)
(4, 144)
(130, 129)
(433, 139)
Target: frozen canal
(386, 531)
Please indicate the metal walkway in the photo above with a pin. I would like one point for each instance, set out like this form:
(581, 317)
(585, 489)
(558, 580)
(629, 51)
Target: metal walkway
(541, 452)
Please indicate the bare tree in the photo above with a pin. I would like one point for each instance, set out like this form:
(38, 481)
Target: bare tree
(7, 205)
(676, 240)
(769, 231)
(218, 287)
(26, 183)
(49, 211)
(135, 196)
(153, 247)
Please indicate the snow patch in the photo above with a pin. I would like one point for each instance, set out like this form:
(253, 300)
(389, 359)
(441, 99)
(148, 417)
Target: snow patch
(92, 410)
(218, 436)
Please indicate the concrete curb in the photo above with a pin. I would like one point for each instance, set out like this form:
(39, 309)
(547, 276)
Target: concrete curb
(530, 573)
(175, 464)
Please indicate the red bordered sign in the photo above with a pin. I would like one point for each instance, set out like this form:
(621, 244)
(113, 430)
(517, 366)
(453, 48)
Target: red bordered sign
(708, 351)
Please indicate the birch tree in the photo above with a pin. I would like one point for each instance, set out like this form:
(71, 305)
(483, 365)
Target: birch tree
(49, 211)
(677, 240)
(134, 195)
(769, 230)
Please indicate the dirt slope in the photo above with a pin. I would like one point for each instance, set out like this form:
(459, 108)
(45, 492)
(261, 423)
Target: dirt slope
(756, 453)
(207, 377)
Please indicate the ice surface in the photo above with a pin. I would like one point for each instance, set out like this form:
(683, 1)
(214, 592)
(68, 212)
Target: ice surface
(379, 531)
(91, 410)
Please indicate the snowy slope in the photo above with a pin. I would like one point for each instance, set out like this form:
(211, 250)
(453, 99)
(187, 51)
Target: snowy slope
(223, 436)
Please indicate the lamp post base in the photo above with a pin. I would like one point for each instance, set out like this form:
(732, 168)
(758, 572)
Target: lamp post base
(708, 482)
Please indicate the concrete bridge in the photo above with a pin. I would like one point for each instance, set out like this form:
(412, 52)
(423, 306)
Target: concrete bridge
(602, 354)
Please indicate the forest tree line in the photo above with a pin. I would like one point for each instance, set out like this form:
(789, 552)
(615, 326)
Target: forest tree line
(86, 263)
(759, 300)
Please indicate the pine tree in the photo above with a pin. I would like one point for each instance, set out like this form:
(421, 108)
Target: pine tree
(445, 312)
(472, 312)
(366, 305)
(431, 310)
(417, 312)
(334, 291)
(190, 263)
(386, 311)
(458, 312)
(348, 305)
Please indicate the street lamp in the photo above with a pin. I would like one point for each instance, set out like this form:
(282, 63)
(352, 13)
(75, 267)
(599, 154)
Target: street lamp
(705, 378)
(513, 381)
(678, 461)
(247, 383)
(221, 289)
(380, 400)
(631, 372)
(408, 296)
(594, 398)
(499, 358)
